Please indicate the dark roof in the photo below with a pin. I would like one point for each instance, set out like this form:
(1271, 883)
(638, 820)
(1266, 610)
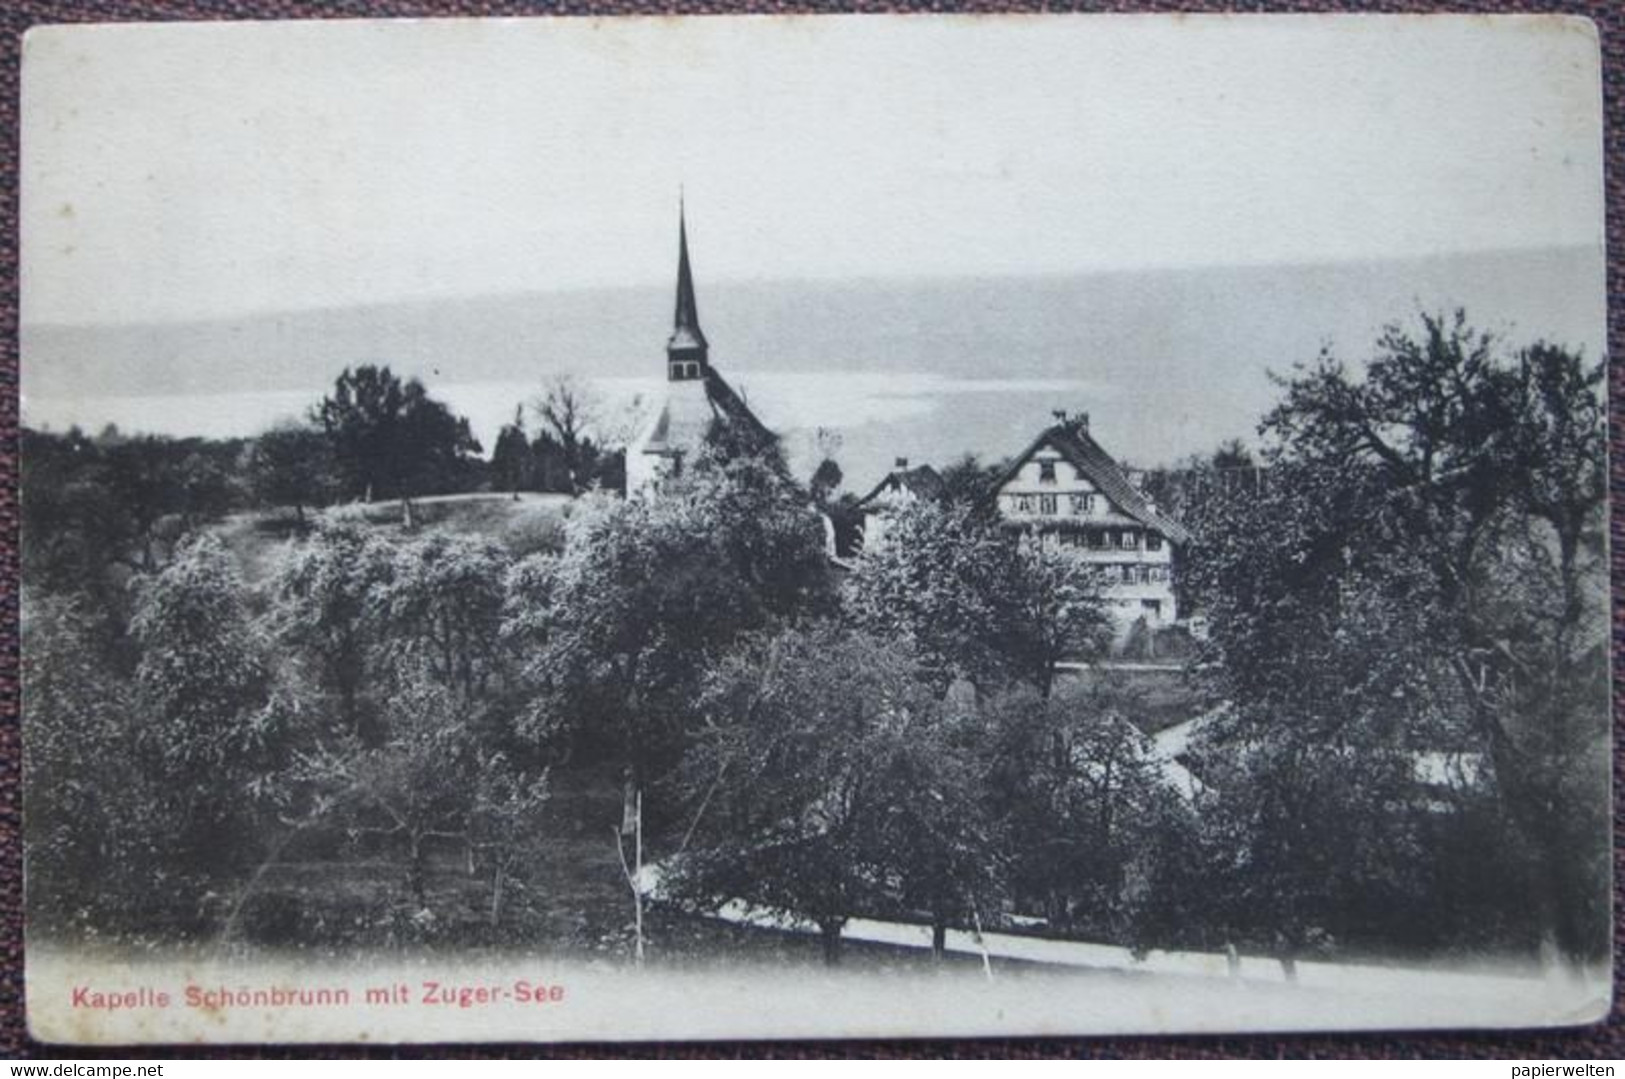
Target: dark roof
(730, 407)
(685, 333)
(923, 482)
(690, 409)
(1074, 442)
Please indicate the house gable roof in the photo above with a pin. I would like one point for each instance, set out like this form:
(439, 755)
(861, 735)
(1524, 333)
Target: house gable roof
(1073, 442)
(922, 481)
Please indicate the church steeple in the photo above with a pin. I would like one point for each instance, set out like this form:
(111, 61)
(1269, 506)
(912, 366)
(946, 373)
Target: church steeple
(686, 348)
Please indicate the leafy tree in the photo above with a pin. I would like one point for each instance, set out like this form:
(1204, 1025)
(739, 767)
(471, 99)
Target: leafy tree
(567, 410)
(391, 439)
(1233, 453)
(1305, 845)
(510, 460)
(504, 821)
(321, 598)
(440, 608)
(978, 602)
(1079, 795)
(617, 632)
(76, 524)
(610, 470)
(292, 465)
(362, 419)
(1053, 608)
(215, 735)
(432, 781)
(826, 479)
(1420, 570)
(95, 828)
(969, 482)
(945, 847)
(439, 450)
(935, 582)
(810, 779)
(97, 511)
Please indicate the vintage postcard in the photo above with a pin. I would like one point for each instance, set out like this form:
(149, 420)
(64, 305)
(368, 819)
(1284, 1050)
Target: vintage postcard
(575, 529)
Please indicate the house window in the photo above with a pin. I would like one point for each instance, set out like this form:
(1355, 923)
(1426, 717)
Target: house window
(1024, 503)
(1145, 574)
(1046, 504)
(1046, 472)
(1127, 574)
(1126, 540)
(1083, 503)
(1153, 541)
(1097, 540)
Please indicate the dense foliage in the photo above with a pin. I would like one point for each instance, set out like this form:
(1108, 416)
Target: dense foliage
(1398, 736)
(1419, 577)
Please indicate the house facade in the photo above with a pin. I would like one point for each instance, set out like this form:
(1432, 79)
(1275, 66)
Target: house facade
(1070, 495)
(903, 486)
(696, 405)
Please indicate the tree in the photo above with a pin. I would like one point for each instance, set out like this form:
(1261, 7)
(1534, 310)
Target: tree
(1414, 573)
(321, 610)
(440, 608)
(438, 448)
(567, 411)
(809, 780)
(95, 828)
(945, 847)
(971, 483)
(215, 735)
(1079, 796)
(1053, 607)
(826, 479)
(432, 781)
(392, 439)
(979, 602)
(292, 465)
(75, 517)
(510, 460)
(617, 631)
(361, 418)
(1304, 845)
(97, 511)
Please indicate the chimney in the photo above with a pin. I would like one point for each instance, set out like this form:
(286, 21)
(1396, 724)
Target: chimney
(1060, 416)
(902, 463)
(1082, 421)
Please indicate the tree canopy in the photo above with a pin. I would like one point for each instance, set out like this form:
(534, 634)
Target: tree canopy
(1421, 569)
(391, 439)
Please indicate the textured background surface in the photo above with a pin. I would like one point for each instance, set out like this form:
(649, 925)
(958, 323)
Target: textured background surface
(1605, 1041)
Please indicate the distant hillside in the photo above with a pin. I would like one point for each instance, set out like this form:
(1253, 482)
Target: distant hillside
(1168, 363)
(1172, 327)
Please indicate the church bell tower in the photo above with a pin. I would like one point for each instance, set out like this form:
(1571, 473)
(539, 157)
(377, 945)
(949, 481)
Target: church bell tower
(686, 349)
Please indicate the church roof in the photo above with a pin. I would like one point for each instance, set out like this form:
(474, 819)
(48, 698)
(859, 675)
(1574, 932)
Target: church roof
(685, 331)
(690, 410)
(697, 404)
(1073, 441)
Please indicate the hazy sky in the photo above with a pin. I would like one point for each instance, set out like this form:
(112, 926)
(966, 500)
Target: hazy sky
(175, 172)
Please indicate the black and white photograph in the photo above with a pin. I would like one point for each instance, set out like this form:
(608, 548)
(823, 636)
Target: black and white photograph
(586, 529)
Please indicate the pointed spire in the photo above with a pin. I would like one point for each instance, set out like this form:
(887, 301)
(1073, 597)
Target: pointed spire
(687, 345)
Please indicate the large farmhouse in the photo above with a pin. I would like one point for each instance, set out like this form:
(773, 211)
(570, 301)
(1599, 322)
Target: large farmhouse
(698, 404)
(1071, 495)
